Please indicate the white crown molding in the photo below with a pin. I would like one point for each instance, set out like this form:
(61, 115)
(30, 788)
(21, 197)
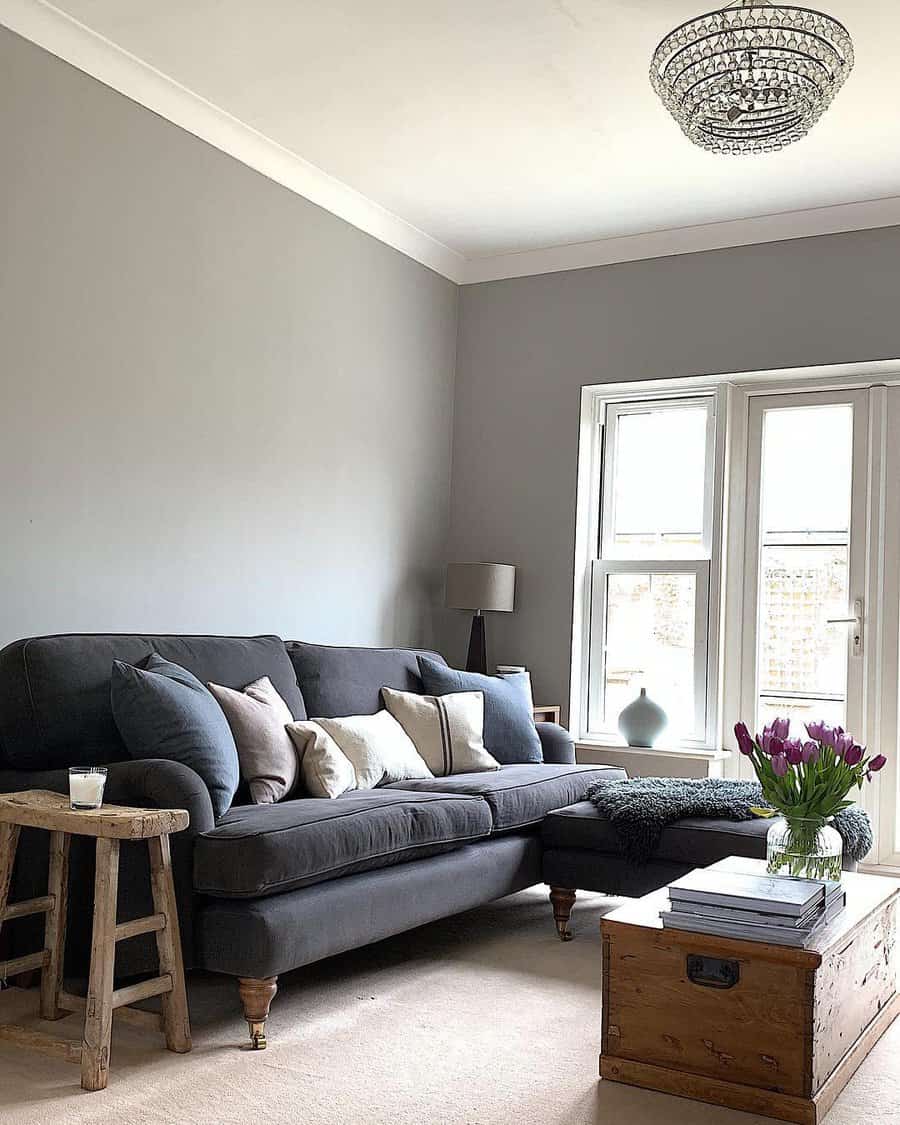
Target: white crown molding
(70, 40)
(840, 218)
(77, 44)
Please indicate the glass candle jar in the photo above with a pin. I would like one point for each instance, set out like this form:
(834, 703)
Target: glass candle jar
(86, 786)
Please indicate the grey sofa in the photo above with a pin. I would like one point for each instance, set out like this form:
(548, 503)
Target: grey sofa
(266, 889)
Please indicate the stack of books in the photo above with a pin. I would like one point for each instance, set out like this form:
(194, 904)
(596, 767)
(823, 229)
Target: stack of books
(768, 908)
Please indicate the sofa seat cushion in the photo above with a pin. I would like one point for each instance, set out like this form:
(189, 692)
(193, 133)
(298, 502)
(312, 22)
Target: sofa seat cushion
(695, 841)
(520, 796)
(259, 850)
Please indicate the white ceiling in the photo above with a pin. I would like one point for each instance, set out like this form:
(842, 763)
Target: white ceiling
(502, 126)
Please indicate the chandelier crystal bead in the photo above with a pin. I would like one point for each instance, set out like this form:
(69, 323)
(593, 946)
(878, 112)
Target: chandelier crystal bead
(752, 77)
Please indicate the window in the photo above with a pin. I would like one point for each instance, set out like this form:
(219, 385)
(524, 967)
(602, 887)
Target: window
(650, 579)
(737, 547)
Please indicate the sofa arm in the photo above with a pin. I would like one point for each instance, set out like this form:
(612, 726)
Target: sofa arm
(557, 744)
(159, 784)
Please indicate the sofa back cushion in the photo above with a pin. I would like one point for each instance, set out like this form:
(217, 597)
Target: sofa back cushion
(54, 691)
(338, 681)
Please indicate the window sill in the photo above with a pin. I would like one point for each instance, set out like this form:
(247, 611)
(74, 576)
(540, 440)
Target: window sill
(639, 761)
(696, 754)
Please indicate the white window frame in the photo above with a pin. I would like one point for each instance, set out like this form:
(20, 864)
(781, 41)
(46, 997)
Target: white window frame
(728, 671)
(757, 405)
(613, 413)
(601, 569)
(603, 557)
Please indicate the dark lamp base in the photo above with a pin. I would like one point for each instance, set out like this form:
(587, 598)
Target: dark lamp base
(476, 661)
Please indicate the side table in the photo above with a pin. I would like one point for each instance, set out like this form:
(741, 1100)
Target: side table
(110, 825)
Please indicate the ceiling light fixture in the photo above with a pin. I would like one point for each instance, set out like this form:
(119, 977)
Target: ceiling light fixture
(751, 77)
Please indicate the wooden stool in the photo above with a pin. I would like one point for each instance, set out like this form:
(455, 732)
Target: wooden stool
(110, 824)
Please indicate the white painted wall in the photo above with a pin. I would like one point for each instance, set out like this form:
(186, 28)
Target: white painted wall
(221, 408)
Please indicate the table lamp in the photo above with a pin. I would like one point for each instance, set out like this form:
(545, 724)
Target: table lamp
(478, 587)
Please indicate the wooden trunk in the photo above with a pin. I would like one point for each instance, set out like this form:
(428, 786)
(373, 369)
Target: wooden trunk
(763, 1028)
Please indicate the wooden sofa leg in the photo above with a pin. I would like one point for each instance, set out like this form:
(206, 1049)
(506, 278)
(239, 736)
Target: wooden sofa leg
(256, 998)
(562, 900)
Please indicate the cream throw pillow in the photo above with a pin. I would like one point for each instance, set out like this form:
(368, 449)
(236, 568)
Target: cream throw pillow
(357, 752)
(257, 717)
(325, 769)
(448, 730)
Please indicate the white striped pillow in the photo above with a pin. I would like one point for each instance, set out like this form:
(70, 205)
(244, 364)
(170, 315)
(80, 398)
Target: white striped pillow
(447, 730)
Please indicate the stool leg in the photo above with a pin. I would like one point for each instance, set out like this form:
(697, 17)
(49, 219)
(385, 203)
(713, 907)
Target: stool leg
(55, 926)
(98, 1010)
(9, 839)
(176, 1022)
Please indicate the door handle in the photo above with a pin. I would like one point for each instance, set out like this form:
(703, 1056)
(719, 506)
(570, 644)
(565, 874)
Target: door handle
(856, 621)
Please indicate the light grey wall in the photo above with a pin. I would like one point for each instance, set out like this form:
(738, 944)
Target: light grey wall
(221, 408)
(527, 346)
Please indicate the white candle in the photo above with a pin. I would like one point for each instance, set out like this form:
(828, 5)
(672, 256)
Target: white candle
(86, 789)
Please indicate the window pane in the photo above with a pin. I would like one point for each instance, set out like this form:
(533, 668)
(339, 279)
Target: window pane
(810, 447)
(650, 644)
(804, 564)
(659, 485)
(798, 652)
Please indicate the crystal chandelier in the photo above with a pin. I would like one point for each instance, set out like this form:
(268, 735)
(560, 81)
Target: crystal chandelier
(751, 77)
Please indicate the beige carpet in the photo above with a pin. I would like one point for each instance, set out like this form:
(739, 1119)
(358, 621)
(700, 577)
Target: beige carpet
(484, 1019)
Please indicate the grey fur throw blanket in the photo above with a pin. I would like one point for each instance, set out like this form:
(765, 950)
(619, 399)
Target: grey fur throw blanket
(641, 807)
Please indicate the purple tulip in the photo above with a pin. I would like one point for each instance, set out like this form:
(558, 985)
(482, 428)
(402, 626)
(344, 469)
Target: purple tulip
(853, 755)
(793, 752)
(816, 730)
(744, 741)
(776, 746)
(877, 763)
(843, 744)
(809, 753)
(781, 728)
(779, 765)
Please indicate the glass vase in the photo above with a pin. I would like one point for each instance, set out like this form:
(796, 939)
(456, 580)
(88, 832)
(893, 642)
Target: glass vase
(804, 848)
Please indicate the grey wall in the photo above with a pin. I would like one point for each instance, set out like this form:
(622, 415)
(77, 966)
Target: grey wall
(527, 346)
(221, 408)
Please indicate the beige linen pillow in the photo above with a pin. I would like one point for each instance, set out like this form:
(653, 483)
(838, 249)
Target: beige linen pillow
(257, 717)
(357, 752)
(448, 730)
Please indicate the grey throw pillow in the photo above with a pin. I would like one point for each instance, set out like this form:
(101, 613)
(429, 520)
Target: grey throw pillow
(162, 711)
(510, 735)
(258, 717)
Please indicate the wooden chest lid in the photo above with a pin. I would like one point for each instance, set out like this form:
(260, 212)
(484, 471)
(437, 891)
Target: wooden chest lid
(866, 894)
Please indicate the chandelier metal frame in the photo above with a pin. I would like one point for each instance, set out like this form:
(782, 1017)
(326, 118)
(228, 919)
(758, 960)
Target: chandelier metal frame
(753, 76)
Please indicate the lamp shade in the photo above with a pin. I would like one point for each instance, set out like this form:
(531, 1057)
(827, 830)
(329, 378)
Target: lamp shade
(481, 586)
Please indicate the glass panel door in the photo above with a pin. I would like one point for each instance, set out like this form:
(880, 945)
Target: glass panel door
(806, 554)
